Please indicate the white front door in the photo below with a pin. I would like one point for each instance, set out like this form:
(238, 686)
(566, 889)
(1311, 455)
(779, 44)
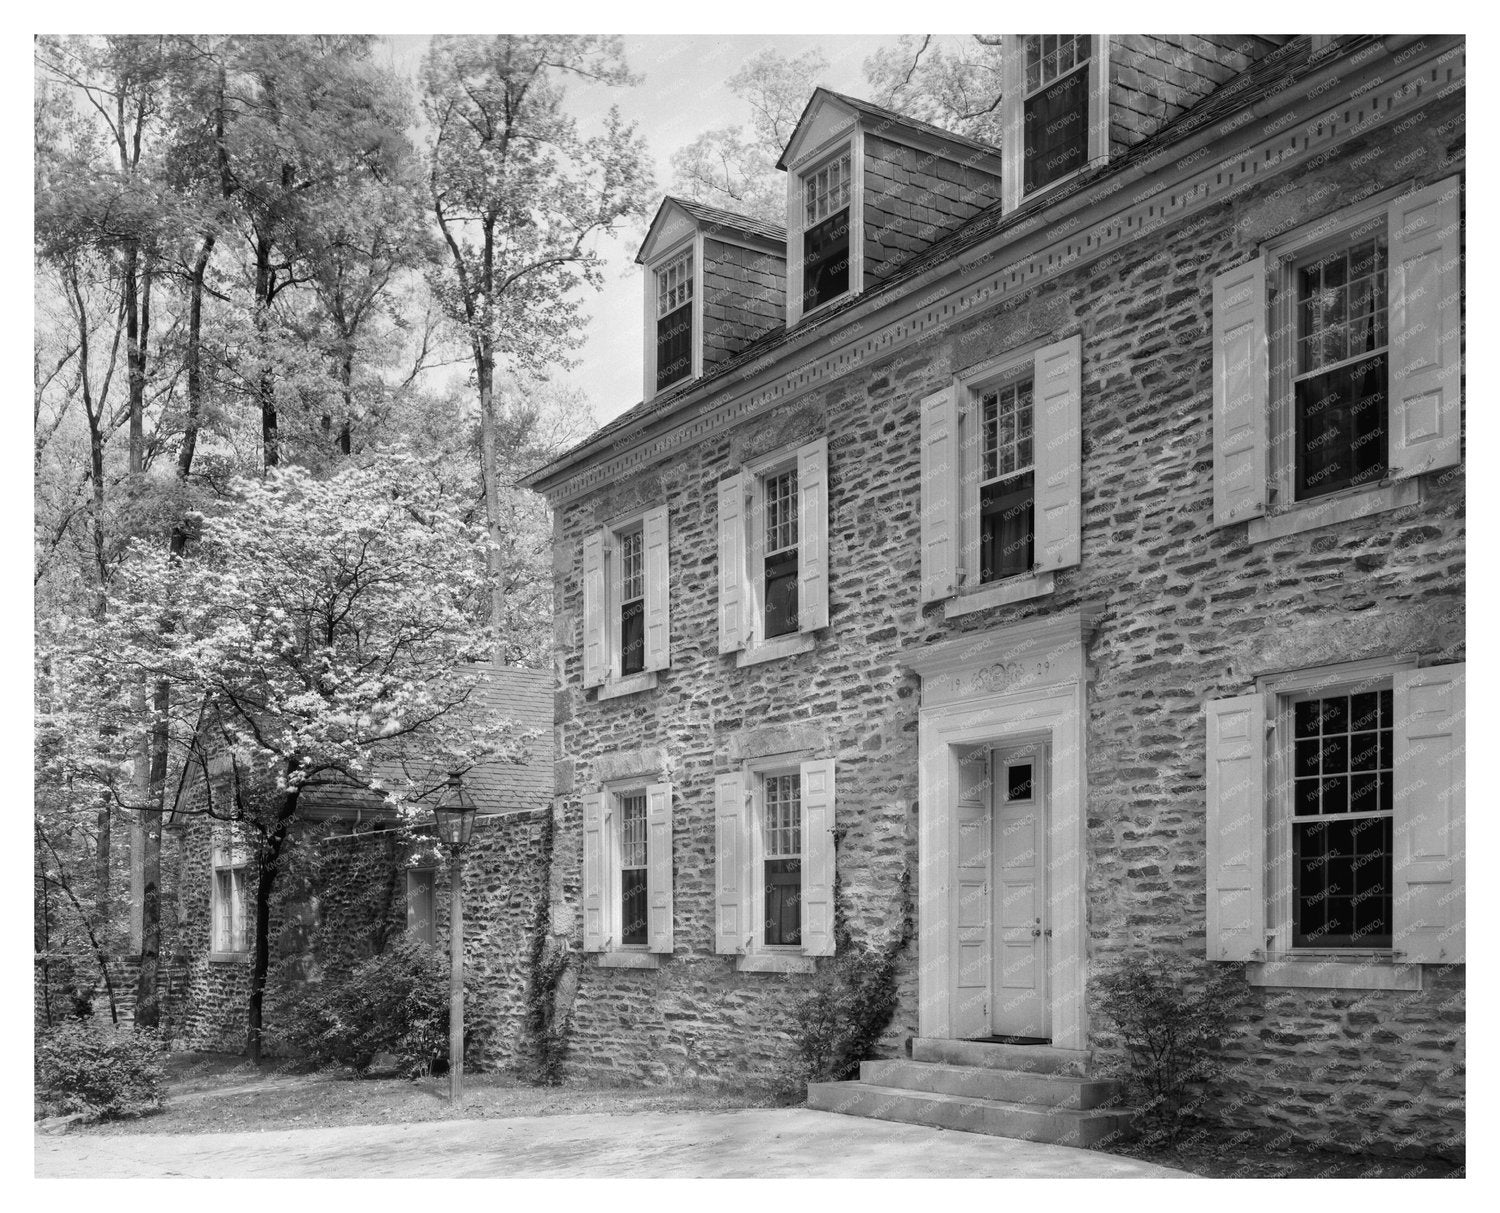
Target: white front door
(1019, 795)
(973, 918)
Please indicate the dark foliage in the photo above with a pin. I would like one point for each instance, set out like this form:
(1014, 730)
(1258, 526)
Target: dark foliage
(99, 1071)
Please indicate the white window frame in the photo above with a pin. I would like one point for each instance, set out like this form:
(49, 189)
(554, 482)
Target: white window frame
(1284, 513)
(420, 882)
(756, 775)
(1013, 109)
(232, 859)
(758, 475)
(613, 951)
(611, 538)
(690, 247)
(848, 142)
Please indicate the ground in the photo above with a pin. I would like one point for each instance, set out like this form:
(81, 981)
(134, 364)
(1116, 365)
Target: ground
(226, 1117)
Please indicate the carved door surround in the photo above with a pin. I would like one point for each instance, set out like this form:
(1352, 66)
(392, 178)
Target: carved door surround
(1024, 682)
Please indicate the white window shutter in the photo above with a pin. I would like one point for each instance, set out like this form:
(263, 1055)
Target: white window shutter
(1242, 393)
(812, 536)
(1424, 320)
(817, 857)
(732, 929)
(659, 867)
(732, 596)
(595, 612)
(1236, 827)
(940, 494)
(1057, 447)
(1428, 867)
(658, 590)
(594, 901)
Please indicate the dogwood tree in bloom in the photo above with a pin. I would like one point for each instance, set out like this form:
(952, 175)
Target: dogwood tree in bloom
(318, 629)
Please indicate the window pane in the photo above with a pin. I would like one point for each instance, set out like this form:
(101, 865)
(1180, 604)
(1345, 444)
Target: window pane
(1006, 528)
(633, 637)
(1341, 428)
(825, 260)
(1018, 782)
(1056, 130)
(783, 902)
(781, 593)
(633, 906)
(674, 347)
(781, 511)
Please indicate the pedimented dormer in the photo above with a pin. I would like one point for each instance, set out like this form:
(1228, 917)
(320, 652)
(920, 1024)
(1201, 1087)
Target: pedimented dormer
(869, 189)
(715, 282)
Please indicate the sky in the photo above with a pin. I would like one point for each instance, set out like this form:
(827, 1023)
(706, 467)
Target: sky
(682, 94)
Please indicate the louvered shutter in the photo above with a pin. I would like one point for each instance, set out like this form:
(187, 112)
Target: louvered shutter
(1241, 394)
(658, 590)
(732, 928)
(1425, 310)
(817, 857)
(1236, 827)
(659, 866)
(1057, 438)
(595, 612)
(594, 903)
(1428, 866)
(732, 597)
(812, 536)
(940, 494)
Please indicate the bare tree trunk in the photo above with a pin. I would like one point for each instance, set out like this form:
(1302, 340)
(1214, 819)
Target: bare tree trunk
(271, 855)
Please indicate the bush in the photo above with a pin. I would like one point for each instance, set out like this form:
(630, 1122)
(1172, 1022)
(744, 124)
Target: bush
(395, 1003)
(1170, 1013)
(99, 1071)
(843, 1012)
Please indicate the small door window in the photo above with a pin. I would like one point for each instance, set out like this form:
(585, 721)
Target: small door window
(1018, 781)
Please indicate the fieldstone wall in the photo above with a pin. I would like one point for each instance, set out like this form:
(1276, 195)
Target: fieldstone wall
(1190, 613)
(341, 899)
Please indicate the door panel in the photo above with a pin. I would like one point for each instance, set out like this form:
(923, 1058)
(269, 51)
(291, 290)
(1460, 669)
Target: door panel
(972, 914)
(1020, 954)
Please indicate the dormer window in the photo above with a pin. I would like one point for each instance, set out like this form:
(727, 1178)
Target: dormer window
(1056, 105)
(674, 320)
(826, 193)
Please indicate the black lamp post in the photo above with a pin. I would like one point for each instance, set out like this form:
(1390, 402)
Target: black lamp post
(455, 812)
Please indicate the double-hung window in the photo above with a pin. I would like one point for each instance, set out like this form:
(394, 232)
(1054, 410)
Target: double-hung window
(827, 194)
(1055, 105)
(627, 872)
(626, 604)
(1336, 365)
(1335, 819)
(774, 862)
(1002, 478)
(674, 320)
(231, 871)
(773, 554)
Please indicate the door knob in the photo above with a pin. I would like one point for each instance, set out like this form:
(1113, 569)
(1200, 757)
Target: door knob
(1035, 931)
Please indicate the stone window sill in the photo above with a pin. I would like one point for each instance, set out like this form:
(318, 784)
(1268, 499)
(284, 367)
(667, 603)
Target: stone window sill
(229, 958)
(774, 650)
(628, 686)
(629, 960)
(1332, 511)
(1370, 971)
(1016, 589)
(775, 962)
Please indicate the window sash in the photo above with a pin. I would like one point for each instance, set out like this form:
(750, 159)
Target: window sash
(633, 869)
(825, 260)
(1055, 130)
(1050, 57)
(229, 910)
(780, 492)
(827, 189)
(674, 284)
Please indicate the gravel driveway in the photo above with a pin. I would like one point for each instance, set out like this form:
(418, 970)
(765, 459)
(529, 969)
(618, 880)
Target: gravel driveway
(750, 1143)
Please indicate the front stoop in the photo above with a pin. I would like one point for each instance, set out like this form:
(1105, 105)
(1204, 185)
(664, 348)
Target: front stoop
(1030, 1092)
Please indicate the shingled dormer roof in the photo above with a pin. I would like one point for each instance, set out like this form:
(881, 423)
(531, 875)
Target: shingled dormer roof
(877, 113)
(711, 220)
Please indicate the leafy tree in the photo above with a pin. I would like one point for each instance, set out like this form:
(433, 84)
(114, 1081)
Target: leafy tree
(316, 628)
(735, 167)
(520, 199)
(952, 82)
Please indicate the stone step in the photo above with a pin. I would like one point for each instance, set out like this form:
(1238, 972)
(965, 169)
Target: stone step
(1028, 1059)
(982, 1082)
(1026, 1122)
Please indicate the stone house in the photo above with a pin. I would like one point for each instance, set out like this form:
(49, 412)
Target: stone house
(1073, 532)
(354, 881)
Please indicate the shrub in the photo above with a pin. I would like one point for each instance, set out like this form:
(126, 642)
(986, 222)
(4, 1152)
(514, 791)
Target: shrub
(99, 1071)
(1170, 1014)
(396, 1002)
(843, 1011)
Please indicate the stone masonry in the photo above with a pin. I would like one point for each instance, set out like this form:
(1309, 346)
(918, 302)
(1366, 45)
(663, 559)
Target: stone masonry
(1189, 613)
